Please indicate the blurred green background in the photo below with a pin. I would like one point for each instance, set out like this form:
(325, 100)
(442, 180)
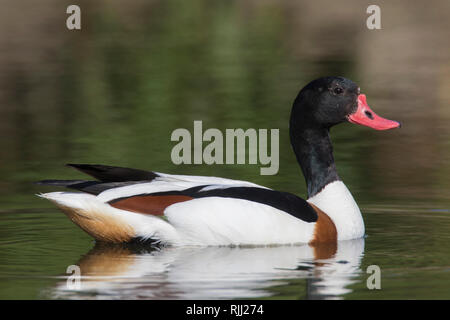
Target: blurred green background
(113, 92)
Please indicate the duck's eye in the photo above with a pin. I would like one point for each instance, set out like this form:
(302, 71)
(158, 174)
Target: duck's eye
(338, 90)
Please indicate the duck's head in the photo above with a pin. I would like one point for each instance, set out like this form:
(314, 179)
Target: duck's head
(328, 101)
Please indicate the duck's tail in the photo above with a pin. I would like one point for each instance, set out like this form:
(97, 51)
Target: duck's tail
(109, 224)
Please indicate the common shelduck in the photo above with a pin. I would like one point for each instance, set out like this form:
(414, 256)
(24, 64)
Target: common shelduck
(131, 205)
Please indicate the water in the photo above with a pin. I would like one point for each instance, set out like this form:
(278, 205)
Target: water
(115, 91)
(414, 263)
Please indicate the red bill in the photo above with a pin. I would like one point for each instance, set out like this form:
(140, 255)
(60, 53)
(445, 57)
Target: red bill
(366, 117)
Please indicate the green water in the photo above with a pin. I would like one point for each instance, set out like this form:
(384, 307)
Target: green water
(113, 93)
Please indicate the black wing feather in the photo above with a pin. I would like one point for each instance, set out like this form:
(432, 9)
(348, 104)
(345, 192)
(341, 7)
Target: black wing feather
(114, 174)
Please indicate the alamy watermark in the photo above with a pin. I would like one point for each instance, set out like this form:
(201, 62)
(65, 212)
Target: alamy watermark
(374, 280)
(73, 281)
(239, 145)
(73, 22)
(374, 20)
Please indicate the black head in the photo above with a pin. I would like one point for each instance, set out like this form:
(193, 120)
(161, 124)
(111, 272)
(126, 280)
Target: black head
(320, 105)
(328, 101)
(325, 102)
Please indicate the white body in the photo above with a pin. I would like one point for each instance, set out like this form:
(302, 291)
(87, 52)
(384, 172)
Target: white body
(213, 220)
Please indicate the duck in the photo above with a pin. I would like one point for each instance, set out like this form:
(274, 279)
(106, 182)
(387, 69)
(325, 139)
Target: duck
(125, 205)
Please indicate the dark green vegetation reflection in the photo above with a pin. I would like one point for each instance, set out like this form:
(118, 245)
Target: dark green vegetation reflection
(113, 93)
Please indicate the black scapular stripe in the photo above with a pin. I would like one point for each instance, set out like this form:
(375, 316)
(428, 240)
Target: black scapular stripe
(283, 201)
(114, 174)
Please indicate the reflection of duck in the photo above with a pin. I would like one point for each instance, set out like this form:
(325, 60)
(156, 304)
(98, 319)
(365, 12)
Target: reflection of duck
(123, 272)
(128, 204)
